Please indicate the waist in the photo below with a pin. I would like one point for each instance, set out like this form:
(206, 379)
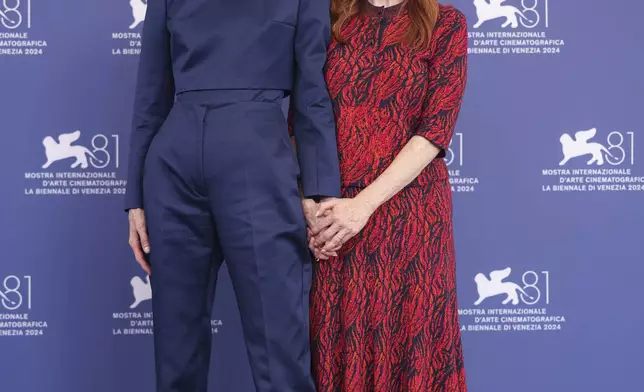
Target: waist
(224, 96)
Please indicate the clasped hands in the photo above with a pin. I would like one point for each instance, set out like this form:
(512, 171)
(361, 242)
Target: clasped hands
(332, 222)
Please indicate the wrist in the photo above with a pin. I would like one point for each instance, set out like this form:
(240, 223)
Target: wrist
(367, 202)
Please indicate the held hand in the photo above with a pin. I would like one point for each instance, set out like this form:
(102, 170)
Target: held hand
(138, 240)
(323, 223)
(310, 209)
(346, 217)
(317, 251)
(314, 224)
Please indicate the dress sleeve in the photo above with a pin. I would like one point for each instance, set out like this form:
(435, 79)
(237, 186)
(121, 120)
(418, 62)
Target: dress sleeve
(447, 75)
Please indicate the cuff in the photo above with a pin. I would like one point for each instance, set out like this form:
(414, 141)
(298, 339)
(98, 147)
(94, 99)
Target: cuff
(133, 198)
(323, 187)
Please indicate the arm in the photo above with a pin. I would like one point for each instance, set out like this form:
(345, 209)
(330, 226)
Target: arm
(153, 99)
(309, 205)
(311, 113)
(447, 75)
(409, 163)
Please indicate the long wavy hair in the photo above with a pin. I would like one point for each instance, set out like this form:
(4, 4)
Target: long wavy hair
(422, 14)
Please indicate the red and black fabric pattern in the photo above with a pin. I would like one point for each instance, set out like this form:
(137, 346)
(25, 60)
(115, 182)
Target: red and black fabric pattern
(384, 314)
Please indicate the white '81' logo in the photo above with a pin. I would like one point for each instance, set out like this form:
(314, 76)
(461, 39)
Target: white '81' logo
(536, 12)
(454, 154)
(618, 148)
(15, 13)
(622, 147)
(16, 292)
(534, 287)
(530, 14)
(104, 150)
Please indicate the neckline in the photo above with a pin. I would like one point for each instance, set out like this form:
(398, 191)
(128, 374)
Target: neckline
(382, 11)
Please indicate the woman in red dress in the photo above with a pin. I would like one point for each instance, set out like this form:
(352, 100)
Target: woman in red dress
(383, 303)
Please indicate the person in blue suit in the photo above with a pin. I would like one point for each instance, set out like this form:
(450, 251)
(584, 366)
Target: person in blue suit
(213, 176)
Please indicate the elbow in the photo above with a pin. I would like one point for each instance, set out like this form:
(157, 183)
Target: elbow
(424, 149)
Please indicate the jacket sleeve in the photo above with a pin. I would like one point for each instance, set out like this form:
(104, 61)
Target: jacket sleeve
(311, 113)
(153, 99)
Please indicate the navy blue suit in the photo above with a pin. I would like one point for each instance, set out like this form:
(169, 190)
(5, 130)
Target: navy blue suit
(212, 165)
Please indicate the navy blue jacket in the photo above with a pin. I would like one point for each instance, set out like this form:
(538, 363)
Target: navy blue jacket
(238, 44)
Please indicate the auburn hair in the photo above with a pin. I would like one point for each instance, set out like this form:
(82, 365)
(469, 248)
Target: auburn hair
(422, 14)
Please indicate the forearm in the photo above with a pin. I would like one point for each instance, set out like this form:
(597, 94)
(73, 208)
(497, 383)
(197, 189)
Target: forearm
(407, 165)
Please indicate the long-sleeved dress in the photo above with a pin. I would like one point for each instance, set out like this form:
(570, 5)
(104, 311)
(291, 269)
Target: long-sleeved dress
(384, 313)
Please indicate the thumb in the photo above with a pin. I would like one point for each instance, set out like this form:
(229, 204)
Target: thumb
(143, 237)
(325, 206)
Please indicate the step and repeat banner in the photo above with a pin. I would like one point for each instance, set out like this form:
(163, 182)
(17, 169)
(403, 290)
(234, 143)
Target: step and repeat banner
(546, 166)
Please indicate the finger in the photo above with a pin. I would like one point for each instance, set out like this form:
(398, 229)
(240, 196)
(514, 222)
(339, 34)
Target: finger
(321, 256)
(146, 267)
(145, 242)
(135, 244)
(317, 251)
(318, 254)
(325, 236)
(333, 252)
(326, 206)
(310, 220)
(336, 241)
(321, 224)
(142, 232)
(330, 253)
(309, 212)
(139, 256)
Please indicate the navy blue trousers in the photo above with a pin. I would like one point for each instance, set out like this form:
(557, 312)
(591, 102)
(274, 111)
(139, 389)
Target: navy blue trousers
(220, 183)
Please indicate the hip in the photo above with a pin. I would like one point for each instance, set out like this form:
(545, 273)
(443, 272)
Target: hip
(228, 132)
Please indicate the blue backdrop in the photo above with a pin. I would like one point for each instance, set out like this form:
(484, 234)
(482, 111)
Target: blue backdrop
(545, 165)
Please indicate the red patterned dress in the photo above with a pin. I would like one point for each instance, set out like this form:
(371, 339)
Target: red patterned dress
(384, 313)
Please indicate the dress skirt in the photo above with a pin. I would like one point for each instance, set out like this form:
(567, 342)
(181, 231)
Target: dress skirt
(384, 315)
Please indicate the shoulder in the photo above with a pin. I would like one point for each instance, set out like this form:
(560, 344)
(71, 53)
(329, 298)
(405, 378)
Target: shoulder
(449, 37)
(450, 22)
